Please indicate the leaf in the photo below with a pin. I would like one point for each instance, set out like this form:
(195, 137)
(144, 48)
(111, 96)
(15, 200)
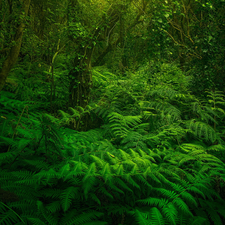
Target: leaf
(160, 20)
(210, 38)
(167, 15)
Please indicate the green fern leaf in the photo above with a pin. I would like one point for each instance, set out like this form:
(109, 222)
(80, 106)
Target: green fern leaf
(153, 177)
(54, 207)
(106, 173)
(66, 196)
(141, 217)
(199, 221)
(95, 198)
(156, 217)
(91, 171)
(105, 192)
(98, 161)
(64, 169)
(35, 221)
(196, 190)
(167, 193)
(48, 216)
(88, 184)
(154, 201)
(119, 170)
(182, 205)
(115, 188)
(72, 218)
(214, 216)
(144, 181)
(121, 183)
(186, 159)
(170, 212)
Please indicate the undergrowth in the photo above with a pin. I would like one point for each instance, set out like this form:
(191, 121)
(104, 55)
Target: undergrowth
(157, 158)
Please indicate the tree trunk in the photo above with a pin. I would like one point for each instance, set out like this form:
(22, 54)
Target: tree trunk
(81, 79)
(14, 51)
(80, 76)
(80, 86)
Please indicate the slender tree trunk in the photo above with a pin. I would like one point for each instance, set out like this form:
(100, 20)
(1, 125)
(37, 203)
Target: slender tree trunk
(81, 80)
(14, 51)
(80, 86)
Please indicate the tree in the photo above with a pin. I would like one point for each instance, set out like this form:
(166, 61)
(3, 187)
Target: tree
(80, 75)
(15, 49)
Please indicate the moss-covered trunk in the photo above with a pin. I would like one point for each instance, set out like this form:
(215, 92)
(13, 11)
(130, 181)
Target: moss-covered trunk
(14, 51)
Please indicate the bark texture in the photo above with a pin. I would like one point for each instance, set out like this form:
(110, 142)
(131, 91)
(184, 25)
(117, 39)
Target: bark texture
(14, 51)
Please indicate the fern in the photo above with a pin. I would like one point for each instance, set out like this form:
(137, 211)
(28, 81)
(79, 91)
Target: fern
(135, 169)
(170, 212)
(202, 129)
(84, 218)
(66, 196)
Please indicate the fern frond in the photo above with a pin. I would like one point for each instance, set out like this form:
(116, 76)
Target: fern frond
(182, 205)
(44, 175)
(170, 212)
(121, 124)
(125, 156)
(198, 127)
(135, 136)
(186, 159)
(106, 173)
(95, 198)
(189, 147)
(7, 157)
(177, 187)
(119, 170)
(91, 171)
(72, 217)
(75, 113)
(105, 192)
(88, 185)
(141, 217)
(66, 196)
(156, 217)
(121, 183)
(164, 92)
(141, 179)
(35, 221)
(115, 188)
(135, 144)
(196, 190)
(98, 161)
(218, 147)
(197, 220)
(214, 217)
(50, 192)
(50, 218)
(134, 183)
(65, 115)
(113, 159)
(159, 202)
(189, 198)
(9, 216)
(54, 207)
(153, 177)
(37, 164)
(167, 193)
(148, 173)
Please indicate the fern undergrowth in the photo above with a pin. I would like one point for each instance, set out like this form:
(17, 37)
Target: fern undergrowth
(157, 158)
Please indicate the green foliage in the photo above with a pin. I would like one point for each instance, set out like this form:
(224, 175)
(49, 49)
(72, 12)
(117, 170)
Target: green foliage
(158, 157)
(136, 166)
(208, 73)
